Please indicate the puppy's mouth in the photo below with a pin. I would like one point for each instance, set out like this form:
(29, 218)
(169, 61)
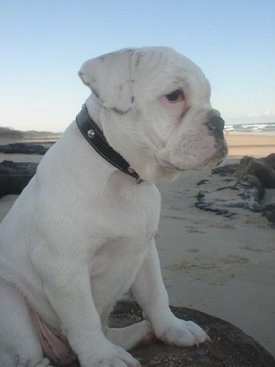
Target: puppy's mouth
(168, 165)
(208, 163)
(204, 148)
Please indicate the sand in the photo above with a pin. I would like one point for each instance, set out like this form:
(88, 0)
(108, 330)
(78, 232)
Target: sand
(224, 267)
(254, 145)
(221, 266)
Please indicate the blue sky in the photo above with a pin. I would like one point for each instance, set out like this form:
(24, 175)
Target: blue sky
(44, 42)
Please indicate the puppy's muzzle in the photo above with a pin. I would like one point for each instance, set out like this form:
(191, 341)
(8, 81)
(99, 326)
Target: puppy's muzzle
(215, 126)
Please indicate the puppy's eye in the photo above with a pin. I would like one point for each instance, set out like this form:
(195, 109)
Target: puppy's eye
(175, 96)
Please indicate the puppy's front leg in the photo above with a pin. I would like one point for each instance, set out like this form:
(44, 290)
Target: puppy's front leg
(131, 336)
(68, 289)
(150, 293)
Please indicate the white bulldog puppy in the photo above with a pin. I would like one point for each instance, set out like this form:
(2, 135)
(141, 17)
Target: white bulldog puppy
(82, 232)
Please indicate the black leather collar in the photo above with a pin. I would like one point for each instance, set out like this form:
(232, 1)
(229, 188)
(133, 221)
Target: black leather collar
(95, 137)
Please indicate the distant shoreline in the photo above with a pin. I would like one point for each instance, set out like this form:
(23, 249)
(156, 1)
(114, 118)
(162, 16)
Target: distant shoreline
(240, 144)
(8, 134)
(265, 129)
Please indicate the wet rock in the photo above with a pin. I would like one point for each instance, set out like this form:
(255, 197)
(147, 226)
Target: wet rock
(269, 213)
(210, 203)
(239, 186)
(224, 195)
(263, 169)
(226, 170)
(15, 176)
(202, 182)
(23, 148)
(270, 159)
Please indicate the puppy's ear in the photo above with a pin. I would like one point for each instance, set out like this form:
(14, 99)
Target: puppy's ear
(109, 78)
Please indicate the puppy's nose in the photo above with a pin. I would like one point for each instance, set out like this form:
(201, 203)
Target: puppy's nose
(215, 125)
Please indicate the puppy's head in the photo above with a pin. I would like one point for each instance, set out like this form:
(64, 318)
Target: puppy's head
(157, 106)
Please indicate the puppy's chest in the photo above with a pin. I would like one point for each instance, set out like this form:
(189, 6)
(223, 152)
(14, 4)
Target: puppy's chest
(125, 249)
(130, 227)
(127, 213)
(122, 255)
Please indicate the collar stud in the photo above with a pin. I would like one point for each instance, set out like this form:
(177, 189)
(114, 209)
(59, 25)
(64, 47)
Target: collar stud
(90, 133)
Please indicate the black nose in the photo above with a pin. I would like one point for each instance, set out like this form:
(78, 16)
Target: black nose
(215, 125)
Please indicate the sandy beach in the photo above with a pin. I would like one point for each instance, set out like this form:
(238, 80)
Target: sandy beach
(222, 266)
(254, 145)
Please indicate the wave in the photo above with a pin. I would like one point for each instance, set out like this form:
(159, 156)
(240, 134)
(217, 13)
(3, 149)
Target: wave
(267, 128)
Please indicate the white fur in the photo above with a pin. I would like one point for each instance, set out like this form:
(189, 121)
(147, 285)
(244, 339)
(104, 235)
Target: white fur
(82, 232)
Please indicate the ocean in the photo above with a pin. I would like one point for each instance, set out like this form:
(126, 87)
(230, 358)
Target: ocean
(267, 128)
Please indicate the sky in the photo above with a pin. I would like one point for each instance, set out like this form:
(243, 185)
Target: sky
(43, 43)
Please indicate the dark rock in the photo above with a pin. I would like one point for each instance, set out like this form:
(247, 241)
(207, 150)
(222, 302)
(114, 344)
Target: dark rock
(23, 148)
(202, 182)
(229, 194)
(270, 159)
(263, 169)
(269, 213)
(15, 176)
(252, 193)
(229, 346)
(241, 186)
(226, 170)
(203, 204)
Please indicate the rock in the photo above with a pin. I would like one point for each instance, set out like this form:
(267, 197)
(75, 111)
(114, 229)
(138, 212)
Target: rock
(224, 195)
(201, 182)
(263, 169)
(226, 170)
(15, 176)
(23, 148)
(270, 159)
(269, 213)
(209, 202)
(252, 192)
(240, 186)
(229, 346)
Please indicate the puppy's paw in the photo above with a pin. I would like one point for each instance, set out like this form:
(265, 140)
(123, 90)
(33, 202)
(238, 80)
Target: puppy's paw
(118, 357)
(183, 333)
